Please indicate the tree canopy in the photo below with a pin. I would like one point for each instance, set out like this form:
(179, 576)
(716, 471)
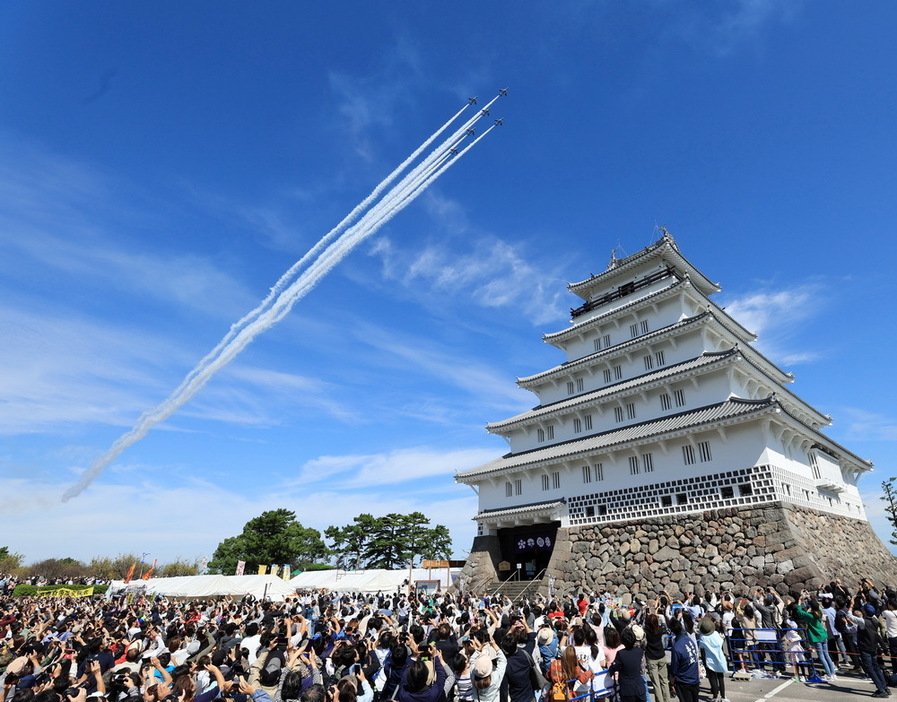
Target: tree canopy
(389, 541)
(273, 537)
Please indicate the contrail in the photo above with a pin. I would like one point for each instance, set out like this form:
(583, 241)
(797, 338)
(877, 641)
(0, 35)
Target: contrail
(283, 296)
(457, 136)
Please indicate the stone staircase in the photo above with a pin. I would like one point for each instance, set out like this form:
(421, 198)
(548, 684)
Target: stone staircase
(515, 589)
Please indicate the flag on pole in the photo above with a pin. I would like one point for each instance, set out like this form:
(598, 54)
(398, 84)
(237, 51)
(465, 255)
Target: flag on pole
(147, 574)
(130, 573)
(262, 569)
(241, 568)
(287, 571)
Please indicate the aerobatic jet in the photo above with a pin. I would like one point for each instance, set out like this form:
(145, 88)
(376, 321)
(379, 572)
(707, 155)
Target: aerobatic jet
(499, 122)
(484, 111)
(469, 131)
(471, 101)
(502, 91)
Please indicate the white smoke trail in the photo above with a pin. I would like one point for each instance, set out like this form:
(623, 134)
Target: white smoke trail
(459, 135)
(415, 182)
(313, 251)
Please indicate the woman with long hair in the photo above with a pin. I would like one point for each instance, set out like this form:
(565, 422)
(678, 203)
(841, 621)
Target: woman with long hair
(655, 657)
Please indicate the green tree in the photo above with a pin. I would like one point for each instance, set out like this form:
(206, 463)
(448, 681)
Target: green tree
(52, 568)
(890, 499)
(178, 568)
(389, 541)
(10, 562)
(272, 537)
(113, 568)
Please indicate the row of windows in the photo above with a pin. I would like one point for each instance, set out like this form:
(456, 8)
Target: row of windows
(637, 465)
(657, 358)
(638, 328)
(553, 481)
(688, 453)
(726, 493)
(575, 387)
(602, 343)
(515, 488)
(578, 423)
(643, 463)
(621, 413)
(666, 402)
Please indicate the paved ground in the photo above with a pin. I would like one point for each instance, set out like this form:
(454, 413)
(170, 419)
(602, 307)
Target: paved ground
(847, 687)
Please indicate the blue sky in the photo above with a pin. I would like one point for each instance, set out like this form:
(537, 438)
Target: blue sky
(162, 164)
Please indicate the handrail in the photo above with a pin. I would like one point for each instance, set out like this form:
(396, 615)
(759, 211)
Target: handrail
(536, 578)
(515, 575)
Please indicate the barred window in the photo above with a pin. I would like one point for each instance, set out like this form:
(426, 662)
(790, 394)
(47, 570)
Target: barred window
(688, 454)
(580, 385)
(618, 414)
(633, 465)
(555, 480)
(607, 375)
(540, 434)
(588, 419)
(704, 450)
(648, 462)
(577, 425)
(544, 482)
(643, 325)
(659, 358)
(587, 474)
(618, 372)
(679, 396)
(550, 429)
(649, 363)
(630, 410)
(665, 402)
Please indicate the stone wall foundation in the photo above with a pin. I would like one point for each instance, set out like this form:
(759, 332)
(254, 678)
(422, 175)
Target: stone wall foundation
(780, 545)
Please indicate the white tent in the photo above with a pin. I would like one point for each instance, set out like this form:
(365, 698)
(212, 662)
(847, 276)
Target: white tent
(197, 587)
(374, 580)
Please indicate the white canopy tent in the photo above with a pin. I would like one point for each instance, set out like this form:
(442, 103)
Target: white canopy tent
(370, 581)
(197, 587)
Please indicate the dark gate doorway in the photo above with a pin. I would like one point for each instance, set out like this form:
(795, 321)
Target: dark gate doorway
(527, 549)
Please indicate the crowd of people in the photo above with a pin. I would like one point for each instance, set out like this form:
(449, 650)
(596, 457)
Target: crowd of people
(345, 647)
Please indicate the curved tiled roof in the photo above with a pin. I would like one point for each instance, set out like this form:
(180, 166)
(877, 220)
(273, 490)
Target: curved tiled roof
(624, 266)
(706, 359)
(552, 337)
(672, 328)
(730, 410)
(521, 509)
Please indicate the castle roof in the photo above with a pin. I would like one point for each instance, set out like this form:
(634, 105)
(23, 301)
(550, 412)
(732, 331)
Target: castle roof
(705, 317)
(678, 371)
(665, 249)
(679, 286)
(732, 410)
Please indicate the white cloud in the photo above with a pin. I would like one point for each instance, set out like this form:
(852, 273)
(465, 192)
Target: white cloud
(493, 274)
(869, 426)
(398, 466)
(184, 516)
(777, 317)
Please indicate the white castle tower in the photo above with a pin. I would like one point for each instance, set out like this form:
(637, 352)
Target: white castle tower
(666, 451)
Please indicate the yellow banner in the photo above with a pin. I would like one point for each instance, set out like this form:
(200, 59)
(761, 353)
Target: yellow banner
(262, 569)
(66, 592)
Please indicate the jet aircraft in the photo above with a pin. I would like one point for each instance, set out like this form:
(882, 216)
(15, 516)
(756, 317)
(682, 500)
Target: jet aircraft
(502, 91)
(499, 121)
(471, 101)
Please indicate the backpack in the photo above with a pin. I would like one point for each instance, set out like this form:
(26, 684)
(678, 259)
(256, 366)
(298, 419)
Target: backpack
(558, 692)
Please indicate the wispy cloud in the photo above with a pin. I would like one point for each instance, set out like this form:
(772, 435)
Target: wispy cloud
(777, 316)
(727, 26)
(863, 425)
(159, 514)
(493, 274)
(397, 466)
